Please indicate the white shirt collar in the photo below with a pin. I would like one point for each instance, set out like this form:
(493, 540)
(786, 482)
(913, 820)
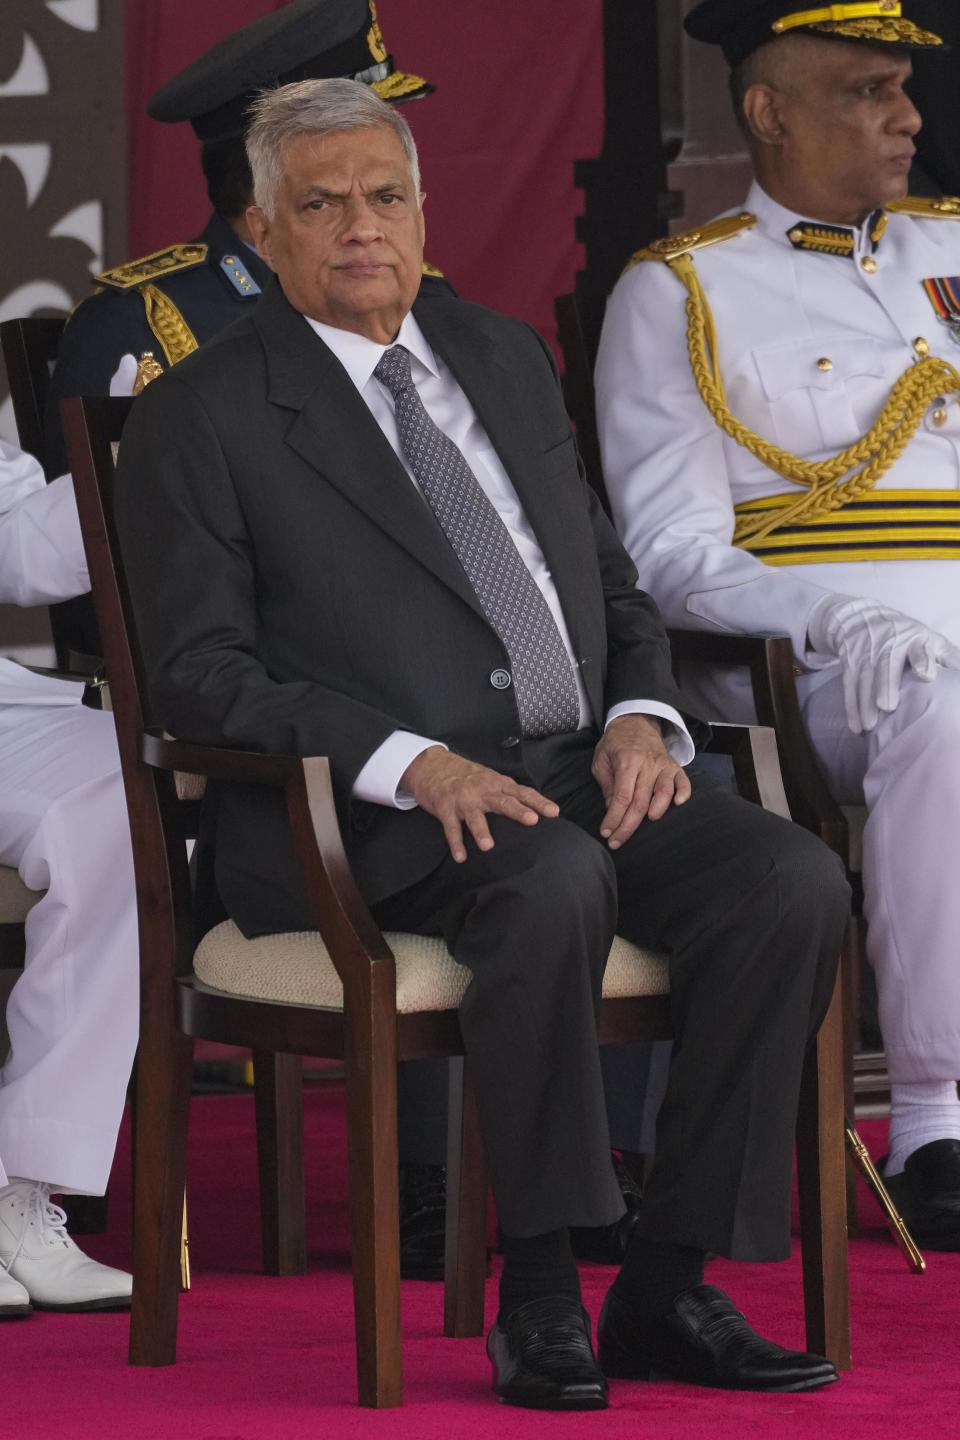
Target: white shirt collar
(360, 356)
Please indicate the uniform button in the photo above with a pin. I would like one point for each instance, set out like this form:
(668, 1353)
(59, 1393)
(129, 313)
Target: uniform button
(921, 346)
(501, 679)
(869, 264)
(825, 364)
(509, 742)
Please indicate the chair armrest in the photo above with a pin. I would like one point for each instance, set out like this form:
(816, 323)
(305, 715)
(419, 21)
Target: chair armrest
(340, 913)
(756, 764)
(772, 667)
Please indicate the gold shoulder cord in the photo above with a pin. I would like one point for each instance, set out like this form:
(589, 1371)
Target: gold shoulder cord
(167, 323)
(829, 484)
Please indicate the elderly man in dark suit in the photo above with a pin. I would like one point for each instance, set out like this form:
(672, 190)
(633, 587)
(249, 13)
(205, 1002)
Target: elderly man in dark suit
(381, 549)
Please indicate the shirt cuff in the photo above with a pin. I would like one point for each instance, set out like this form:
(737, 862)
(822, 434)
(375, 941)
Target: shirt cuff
(676, 736)
(379, 780)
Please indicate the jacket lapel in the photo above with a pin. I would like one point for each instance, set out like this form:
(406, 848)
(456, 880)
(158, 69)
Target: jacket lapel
(333, 431)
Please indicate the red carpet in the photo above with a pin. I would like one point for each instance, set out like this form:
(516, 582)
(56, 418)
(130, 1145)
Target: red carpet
(268, 1359)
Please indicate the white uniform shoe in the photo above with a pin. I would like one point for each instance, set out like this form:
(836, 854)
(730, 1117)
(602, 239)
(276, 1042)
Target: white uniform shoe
(37, 1252)
(14, 1300)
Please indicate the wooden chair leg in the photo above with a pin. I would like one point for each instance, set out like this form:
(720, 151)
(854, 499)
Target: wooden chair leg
(371, 1092)
(164, 1066)
(821, 1175)
(466, 1237)
(278, 1099)
(850, 984)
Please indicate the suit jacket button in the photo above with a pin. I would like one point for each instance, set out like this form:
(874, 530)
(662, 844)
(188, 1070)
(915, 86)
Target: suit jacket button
(509, 742)
(501, 679)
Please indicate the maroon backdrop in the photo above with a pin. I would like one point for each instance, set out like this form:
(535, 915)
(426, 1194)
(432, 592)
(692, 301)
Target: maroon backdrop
(519, 98)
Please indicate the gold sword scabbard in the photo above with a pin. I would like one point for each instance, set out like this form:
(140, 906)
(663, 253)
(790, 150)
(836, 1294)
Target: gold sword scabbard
(894, 1219)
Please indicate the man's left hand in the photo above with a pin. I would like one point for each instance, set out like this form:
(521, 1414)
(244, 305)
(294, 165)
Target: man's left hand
(637, 776)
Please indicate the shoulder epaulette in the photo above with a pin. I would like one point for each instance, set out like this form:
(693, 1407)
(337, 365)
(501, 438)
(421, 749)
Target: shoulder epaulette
(427, 269)
(152, 267)
(925, 207)
(671, 246)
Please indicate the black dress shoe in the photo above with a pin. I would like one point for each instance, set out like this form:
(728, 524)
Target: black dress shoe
(542, 1357)
(705, 1341)
(607, 1244)
(423, 1212)
(927, 1194)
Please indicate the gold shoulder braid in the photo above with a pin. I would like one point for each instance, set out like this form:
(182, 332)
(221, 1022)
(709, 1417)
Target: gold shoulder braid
(924, 207)
(828, 484)
(149, 267)
(671, 246)
(165, 320)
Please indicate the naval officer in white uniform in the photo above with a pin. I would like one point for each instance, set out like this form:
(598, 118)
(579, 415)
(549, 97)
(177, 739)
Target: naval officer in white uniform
(738, 366)
(72, 1016)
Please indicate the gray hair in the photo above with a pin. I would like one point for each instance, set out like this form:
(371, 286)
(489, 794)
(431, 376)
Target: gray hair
(315, 107)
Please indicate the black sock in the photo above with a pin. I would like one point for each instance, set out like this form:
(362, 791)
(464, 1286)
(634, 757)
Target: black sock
(537, 1266)
(653, 1272)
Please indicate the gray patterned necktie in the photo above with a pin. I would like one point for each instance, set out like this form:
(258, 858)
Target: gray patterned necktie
(543, 676)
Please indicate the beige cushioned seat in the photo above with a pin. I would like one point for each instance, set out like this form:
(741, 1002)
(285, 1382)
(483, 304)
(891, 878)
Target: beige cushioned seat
(296, 969)
(16, 901)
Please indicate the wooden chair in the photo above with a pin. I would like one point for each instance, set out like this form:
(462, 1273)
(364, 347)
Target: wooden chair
(350, 992)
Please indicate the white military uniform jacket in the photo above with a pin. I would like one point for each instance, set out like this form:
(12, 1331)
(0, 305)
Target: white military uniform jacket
(41, 561)
(810, 346)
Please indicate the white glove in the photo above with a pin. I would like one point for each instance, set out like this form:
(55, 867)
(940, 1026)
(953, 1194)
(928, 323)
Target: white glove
(875, 646)
(122, 380)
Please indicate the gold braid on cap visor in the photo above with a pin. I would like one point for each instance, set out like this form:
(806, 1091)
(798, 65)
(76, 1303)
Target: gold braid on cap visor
(880, 20)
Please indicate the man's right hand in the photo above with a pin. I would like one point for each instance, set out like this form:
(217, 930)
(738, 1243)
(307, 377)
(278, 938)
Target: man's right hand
(457, 792)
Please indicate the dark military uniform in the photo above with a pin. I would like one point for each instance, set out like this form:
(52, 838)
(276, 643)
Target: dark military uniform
(208, 283)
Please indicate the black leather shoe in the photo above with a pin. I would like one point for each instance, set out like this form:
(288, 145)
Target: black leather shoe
(423, 1218)
(542, 1357)
(607, 1244)
(705, 1341)
(927, 1194)
(423, 1210)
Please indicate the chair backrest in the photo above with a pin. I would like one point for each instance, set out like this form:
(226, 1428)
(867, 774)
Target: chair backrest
(578, 330)
(30, 347)
(158, 822)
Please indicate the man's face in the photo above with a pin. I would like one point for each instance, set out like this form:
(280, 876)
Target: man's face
(847, 127)
(346, 239)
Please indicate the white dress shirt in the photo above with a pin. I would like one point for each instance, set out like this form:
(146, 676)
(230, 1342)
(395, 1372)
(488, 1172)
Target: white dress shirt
(451, 411)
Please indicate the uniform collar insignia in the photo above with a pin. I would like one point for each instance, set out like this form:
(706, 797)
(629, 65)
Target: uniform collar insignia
(835, 239)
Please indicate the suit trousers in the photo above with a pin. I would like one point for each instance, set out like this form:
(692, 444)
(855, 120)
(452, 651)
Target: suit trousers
(750, 911)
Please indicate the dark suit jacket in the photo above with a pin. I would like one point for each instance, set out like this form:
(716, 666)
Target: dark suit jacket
(295, 595)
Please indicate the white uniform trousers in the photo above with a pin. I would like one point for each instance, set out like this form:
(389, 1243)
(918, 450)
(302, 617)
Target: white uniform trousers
(73, 1015)
(907, 771)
